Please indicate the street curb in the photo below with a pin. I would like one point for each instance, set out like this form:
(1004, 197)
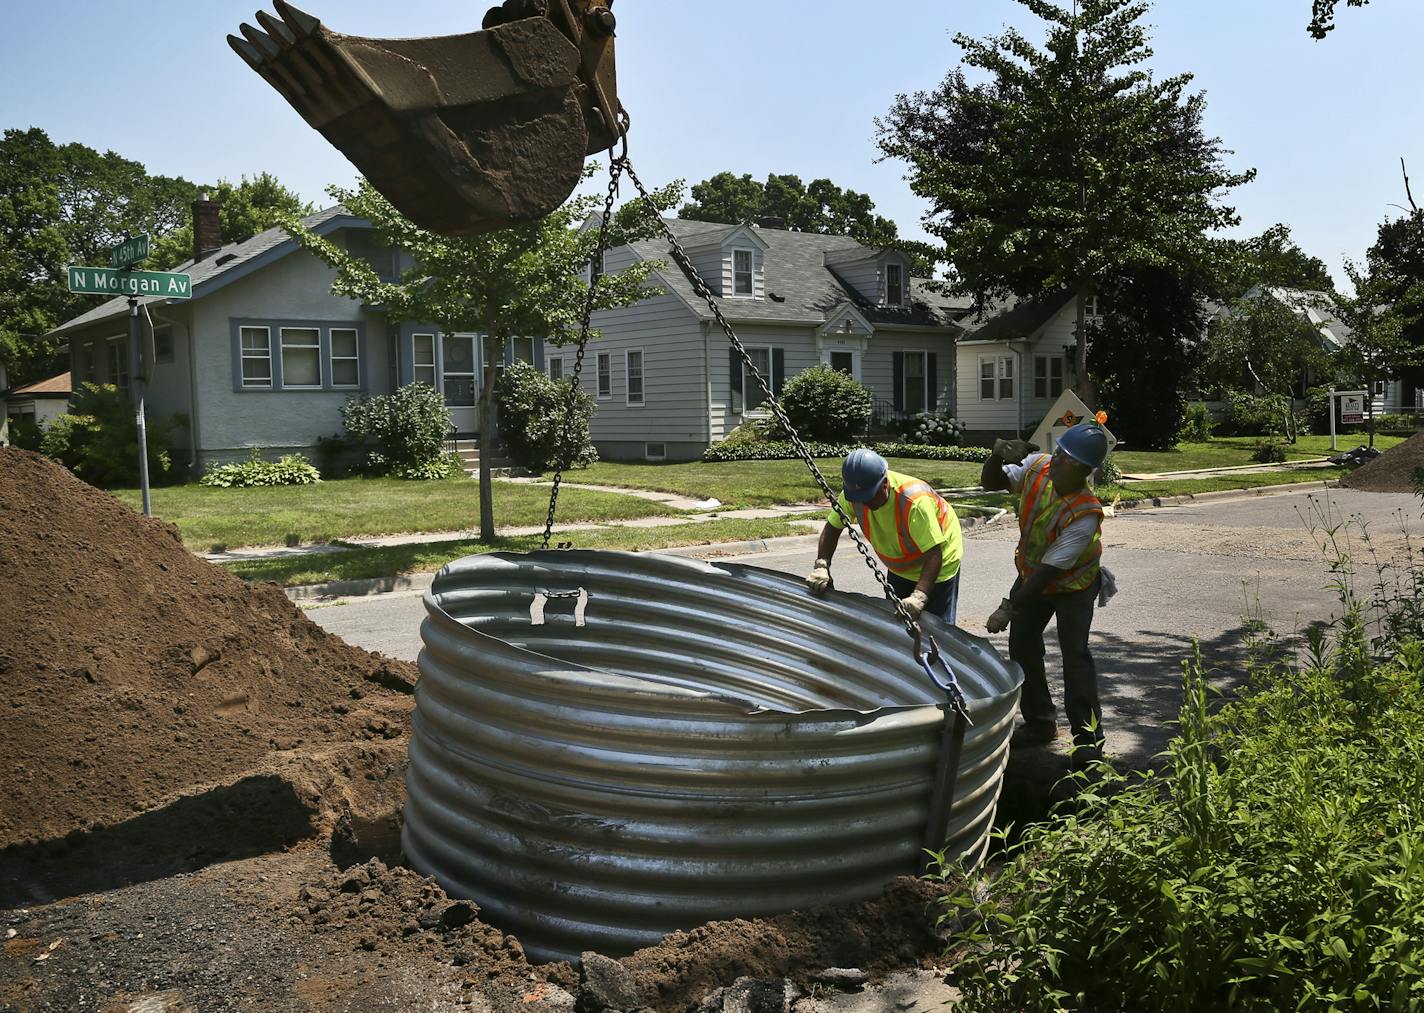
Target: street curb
(360, 588)
(1221, 494)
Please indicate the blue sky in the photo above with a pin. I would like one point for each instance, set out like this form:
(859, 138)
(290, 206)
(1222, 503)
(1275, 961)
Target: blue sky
(770, 86)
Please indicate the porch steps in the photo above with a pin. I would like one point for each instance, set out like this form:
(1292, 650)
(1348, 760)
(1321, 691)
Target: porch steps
(469, 453)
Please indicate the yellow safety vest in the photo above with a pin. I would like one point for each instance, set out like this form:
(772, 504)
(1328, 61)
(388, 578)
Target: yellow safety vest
(899, 551)
(1043, 516)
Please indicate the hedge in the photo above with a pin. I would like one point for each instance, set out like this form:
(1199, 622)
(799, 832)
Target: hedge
(777, 450)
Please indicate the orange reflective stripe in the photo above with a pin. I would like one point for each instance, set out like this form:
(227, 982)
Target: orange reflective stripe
(905, 498)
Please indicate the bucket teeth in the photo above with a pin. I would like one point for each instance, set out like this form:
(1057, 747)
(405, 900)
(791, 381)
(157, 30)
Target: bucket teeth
(275, 28)
(264, 42)
(300, 21)
(249, 53)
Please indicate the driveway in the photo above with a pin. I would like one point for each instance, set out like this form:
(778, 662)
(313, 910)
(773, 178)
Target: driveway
(1192, 574)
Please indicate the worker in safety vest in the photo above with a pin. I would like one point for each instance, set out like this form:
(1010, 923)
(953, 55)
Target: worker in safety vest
(1059, 574)
(911, 527)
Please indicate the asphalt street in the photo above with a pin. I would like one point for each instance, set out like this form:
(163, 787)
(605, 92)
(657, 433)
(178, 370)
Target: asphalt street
(1188, 575)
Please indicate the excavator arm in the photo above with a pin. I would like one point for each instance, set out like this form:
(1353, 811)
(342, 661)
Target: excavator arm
(462, 133)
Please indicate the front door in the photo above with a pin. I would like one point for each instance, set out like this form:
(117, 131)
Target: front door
(843, 362)
(457, 362)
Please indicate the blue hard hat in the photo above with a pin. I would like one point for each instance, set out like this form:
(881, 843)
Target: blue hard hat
(862, 473)
(1086, 443)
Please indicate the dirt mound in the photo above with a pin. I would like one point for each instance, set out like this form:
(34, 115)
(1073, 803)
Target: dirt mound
(133, 673)
(1390, 472)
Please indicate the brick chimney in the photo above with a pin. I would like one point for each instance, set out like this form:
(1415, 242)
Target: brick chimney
(207, 228)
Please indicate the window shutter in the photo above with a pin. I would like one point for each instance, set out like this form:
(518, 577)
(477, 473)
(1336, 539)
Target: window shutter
(734, 371)
(932, 380)
(539, 354)
(778, 370)
(899, 379)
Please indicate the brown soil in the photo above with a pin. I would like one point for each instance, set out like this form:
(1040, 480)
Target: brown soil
(1390, 472)
(206, 774)
(134, 673)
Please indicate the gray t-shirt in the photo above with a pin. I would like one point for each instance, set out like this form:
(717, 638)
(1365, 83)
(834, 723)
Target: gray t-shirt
(1074, 538)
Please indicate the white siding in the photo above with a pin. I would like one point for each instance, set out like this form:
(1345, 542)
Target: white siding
(1007, 416)
(877, 369)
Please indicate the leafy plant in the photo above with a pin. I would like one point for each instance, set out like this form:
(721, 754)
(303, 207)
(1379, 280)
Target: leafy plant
(1108, 472)
(532, 409)
(1276, 861)
(98, 438)
(1249, 415)
(405, 432)
(292, 469)
(1196, 424)
(26, 433)
(825, 404)
(1268, 451)
(775, 450)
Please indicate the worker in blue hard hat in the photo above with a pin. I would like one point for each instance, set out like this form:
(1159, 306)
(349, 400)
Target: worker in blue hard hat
(913, 530)
(1059, 574)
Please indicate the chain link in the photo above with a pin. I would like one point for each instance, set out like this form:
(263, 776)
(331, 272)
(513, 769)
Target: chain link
(680, 256)
(616, 166)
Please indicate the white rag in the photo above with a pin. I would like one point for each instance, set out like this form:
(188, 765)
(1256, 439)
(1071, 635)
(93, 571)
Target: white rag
(1107, 588)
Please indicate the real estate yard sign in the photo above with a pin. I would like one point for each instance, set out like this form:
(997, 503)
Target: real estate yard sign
(1066, 412)
(1352, 409)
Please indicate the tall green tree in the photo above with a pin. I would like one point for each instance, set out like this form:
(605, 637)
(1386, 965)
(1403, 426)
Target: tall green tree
(1262, 342)
(1070, 165)
(520, 281)
(33, 253)
(1384, 344)
(252, 205)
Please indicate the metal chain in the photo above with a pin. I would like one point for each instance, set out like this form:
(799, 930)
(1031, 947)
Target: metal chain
(700, 287)
(616, 166)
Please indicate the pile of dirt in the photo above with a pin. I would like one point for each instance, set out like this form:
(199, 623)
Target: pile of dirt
(1391, 471)
(134, 675)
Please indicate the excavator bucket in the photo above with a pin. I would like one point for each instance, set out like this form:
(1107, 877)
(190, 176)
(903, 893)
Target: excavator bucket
(462, 133)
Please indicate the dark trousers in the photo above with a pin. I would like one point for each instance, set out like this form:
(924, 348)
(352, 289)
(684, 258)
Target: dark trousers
(944, 599)
(1080, 674)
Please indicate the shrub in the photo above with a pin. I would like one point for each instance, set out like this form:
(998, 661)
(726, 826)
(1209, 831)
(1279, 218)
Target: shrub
(777, 450)
(1109, 473)
(293, 469)
(1268, 452)
(1196, 424)
(932, 429)
(1395, 423)
(98, 438)
(825, 404)
(531, 419)
(404, 433)
(26, 433)
(1248, 415)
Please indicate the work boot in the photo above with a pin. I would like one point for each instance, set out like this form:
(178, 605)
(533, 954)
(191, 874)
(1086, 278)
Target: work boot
(1034, 733)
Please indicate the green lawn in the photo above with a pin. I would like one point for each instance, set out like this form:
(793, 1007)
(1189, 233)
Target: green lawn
(1230, 451)
(384, 562)
(759, 483)
(351, 507)
(1180, 486)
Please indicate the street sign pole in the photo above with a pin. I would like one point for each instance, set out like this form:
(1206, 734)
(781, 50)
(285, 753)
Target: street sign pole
(136, 377)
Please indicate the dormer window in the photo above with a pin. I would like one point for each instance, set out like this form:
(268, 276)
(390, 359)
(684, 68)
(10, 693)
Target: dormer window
(894, 285)
(742, 272)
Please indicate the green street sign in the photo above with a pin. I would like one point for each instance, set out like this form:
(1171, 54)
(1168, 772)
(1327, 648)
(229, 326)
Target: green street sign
(106, 281)
(129, 252)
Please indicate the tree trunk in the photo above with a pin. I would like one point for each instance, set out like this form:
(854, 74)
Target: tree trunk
(1086, 389)
(487, 381)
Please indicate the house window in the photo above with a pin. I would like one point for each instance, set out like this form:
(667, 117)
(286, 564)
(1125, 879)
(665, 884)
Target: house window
(119, 363)
(91, 355)
(256, 357)
(596, 268)
(916, 394)
(741, 272)
(1047, 376)
(996, 378)
(556, 369)
(301, 357)
(458, 369)
(633, 366)
(1379, 388)
(1090, 307)
(752, 394)
(423, 359)
(655, 451)
(163, 344)
(345, 364)
(605, 376)
(523, 350)
(894, 285)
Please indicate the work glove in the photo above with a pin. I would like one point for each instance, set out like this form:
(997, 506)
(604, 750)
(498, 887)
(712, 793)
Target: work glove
(998, 620)
(1013, 451)
(818, 581)
(915, 603)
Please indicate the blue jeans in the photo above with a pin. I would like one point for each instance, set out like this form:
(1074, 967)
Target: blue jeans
(944, 599)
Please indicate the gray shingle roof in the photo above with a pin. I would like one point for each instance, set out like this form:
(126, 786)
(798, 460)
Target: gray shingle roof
(225, 261)
(800, 287)
(1009, 319)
